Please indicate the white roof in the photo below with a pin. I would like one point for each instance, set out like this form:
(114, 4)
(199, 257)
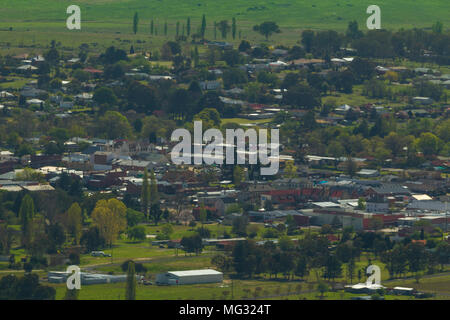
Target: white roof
(190, 273)
(278, 63)
(326, 204)
(421, 197)
(403, 288)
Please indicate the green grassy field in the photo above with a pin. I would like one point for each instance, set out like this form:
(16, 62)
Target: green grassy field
(243, 289)
(105, 22)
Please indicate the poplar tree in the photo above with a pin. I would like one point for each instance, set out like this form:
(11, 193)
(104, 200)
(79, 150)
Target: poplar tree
(165, 28)
(26, 214)
(178, 29)
(145, 193)
(74, 221)
(154, 196)
(203, 27)
(188, 27)
(130, 293)
(151, 27)
(135, 22)
(233, 28)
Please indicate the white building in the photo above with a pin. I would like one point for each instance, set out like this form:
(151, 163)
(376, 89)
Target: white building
(189, 277)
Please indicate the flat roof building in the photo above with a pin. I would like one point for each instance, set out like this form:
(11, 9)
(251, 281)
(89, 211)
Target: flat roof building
(189, 277)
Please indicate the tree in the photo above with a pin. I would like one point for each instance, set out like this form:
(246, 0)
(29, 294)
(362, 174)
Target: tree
(135, 22)
(156, 213)
(75, 222)
(6, 239)
(92, 239)
(301, 267)
(188, 26)
(130, 293)
(395, 143)
(361, 204)
(167, 230)
(154, 196)
(238, 175)
(223, 28)
(353, 31)
(29, 174)
(110, 218)
(350, 166)
(233, 28)
(240, 226)
(308, 39)
(137, 233)
(322, 288)
(134, 217)
(437, 27)
(428, 143)
(333, 267)
(267, 29)
(351, 269)
(203, 26)
(104, 95)
(290, 170)
(145, 194)
(138, 267)
(192, 243)
(302, 95)
(443, 253)
(222, 262)
(71, 294)
(114, 125)
(25, 288)
(417, 257)
(26, 215)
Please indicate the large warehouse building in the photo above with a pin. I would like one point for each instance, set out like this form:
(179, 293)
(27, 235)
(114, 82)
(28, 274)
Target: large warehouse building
(189, 277)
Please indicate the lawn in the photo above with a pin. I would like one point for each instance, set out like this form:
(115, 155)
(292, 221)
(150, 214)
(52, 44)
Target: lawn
(244, 289)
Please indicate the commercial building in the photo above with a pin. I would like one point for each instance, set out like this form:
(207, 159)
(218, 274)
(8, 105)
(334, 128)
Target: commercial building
(189, 277)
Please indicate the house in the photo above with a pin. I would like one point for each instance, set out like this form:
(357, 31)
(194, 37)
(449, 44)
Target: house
(278, 65)
(66, 104)
(422, 100)
(30, 92)
(6, 95)
(377, 207)
(342, 109)
(368, 173)
(210, 85)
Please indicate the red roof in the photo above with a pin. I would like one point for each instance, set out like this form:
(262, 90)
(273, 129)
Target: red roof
(332, 237)
(92, 70)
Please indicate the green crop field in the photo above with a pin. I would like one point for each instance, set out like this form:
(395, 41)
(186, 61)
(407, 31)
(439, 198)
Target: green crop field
(33, 23)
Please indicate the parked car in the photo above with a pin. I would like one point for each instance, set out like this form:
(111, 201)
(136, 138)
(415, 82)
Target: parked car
(100, 254)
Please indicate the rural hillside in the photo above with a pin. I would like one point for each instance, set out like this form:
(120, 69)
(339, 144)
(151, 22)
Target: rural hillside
(28, 23)
(298, 14)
